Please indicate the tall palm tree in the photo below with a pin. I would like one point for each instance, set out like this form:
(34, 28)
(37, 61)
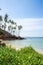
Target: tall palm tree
(13, 26)
(6, 20)
(14, 29)
(2, 26)
(0, 20)
(19, 28)
(9, 28)
(12, 23)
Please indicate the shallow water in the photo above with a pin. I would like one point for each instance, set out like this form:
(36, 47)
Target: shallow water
(35, 42)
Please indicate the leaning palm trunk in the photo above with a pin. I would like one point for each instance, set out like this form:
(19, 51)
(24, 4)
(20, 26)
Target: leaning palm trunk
(19, 28)
(1, 20)
(5, 26)
(13, 32)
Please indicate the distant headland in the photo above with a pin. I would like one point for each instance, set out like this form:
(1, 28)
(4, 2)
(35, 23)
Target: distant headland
(12, 28)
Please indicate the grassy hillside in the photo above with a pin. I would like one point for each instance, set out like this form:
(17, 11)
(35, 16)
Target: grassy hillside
(25, 56)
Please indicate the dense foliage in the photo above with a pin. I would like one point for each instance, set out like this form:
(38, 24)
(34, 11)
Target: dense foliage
(25, 56)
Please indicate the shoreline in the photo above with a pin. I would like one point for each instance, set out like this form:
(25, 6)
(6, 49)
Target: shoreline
(17, 47)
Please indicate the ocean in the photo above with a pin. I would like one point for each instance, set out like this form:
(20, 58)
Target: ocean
(35, 42)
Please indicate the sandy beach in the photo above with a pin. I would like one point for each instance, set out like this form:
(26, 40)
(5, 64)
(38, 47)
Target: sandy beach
(17, 47)
(11, 45)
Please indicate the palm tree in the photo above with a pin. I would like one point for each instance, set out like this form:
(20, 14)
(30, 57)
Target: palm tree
(12, 23)
(15, 24)
(0, 20)
(9, 28)
(12, 26)
(19, 28)
(2, 26)
(6, 20)
(14, 29)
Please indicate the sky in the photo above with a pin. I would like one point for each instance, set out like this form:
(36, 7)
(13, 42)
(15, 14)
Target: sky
(28, 13)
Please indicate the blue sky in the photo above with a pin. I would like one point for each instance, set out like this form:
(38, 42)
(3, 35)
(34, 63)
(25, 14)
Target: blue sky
(29, 13)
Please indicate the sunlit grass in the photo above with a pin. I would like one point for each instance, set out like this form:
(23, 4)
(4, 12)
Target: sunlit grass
(25, 56)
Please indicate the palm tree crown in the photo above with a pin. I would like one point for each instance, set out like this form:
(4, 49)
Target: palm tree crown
(19, 27)
(6, 18)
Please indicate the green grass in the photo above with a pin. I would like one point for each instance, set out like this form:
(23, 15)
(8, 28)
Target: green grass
(25, 56)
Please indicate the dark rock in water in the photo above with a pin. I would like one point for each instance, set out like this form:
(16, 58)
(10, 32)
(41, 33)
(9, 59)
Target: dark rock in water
(20, 38)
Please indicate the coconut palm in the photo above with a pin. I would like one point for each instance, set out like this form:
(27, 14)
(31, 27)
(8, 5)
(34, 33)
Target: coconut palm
(12, 23)
(0, 20)
(9, 28)
(2, 26)
(19, 28)
(9, 21)
(15, 24)
(6, 20)
(14, 29)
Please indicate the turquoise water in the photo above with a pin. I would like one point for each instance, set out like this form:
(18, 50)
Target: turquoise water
(35, 42)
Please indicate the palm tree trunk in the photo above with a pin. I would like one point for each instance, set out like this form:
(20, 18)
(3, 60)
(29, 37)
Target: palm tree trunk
(4, 26)
(18, 33)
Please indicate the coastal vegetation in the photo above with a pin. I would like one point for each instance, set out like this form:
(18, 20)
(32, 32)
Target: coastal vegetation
(24, 56)
(9, 29)
(9, 25)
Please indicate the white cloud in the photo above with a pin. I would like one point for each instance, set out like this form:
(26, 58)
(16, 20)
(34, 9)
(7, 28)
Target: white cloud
(30, 25)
